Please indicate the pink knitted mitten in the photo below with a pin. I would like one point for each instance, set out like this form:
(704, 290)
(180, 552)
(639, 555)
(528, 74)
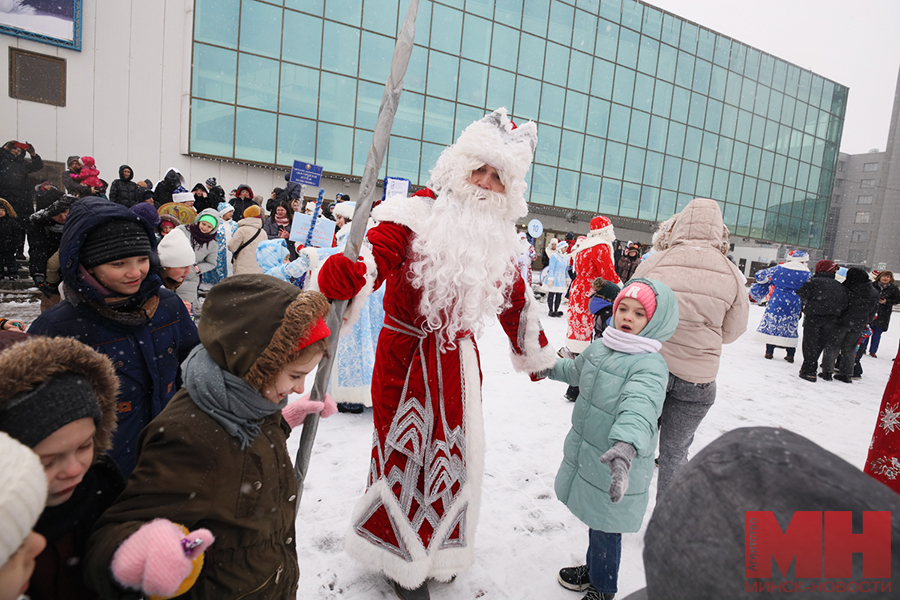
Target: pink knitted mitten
(295, 412)
(158, 557)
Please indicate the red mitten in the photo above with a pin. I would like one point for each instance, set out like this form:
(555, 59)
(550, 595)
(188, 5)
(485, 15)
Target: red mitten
(340, 278)
(160, 557)
(295, 412)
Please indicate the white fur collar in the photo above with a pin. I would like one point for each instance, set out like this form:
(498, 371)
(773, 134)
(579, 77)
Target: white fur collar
(411, 212)
(794, 265)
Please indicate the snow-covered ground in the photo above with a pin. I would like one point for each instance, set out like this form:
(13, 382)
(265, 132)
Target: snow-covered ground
(525, 535)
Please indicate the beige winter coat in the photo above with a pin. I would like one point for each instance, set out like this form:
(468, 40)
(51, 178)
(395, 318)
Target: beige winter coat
(245, 262)
(712, 301)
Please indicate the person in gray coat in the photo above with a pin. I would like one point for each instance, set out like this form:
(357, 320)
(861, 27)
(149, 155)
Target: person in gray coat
(202, 234)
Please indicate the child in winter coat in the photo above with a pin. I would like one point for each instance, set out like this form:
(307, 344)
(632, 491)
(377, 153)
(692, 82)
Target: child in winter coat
(216, 460)
(176, 261)
(227, 227)
(58, 397)
(10, 230)
(89, 174)
(601, 304)
(202, 235)
(622, 380)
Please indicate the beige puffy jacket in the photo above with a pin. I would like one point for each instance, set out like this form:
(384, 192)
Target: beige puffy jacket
(712, 301)
(245, 261)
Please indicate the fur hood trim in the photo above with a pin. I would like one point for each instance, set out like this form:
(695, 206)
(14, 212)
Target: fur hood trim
(27, 364)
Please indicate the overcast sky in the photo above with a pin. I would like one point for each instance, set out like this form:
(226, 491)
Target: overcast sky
(855, 43)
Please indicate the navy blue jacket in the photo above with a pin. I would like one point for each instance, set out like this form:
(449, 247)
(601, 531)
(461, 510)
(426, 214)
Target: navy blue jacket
(147, 356)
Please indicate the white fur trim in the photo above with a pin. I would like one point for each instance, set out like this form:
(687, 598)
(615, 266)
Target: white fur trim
(590, 242)
(795, 265)
(577, 346)
(410, 212)
(438, 564)
(359, 395)
(535, 358)
(776, 340)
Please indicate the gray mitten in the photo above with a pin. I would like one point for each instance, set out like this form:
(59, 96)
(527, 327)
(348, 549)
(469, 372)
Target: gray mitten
(619, 459)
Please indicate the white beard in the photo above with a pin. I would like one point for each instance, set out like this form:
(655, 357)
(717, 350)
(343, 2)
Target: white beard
(465, 260)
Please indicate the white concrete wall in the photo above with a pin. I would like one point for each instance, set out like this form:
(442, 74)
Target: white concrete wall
(128, 99)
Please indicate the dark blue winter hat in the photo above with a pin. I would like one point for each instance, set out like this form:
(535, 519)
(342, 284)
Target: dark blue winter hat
(147, 213)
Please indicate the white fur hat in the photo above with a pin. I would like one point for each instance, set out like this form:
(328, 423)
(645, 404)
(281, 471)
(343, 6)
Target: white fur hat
(344, 209)
(183, 197)
(22, 495)
(175, 250)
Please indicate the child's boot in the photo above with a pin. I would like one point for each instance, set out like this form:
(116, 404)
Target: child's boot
(575, 578)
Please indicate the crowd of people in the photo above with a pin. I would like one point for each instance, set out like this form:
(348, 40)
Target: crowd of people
(147, 408)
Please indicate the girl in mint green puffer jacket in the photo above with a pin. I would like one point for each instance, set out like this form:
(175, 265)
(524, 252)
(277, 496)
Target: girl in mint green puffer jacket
(608, 454)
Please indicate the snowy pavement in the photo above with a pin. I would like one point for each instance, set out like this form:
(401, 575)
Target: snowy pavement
(525, 535)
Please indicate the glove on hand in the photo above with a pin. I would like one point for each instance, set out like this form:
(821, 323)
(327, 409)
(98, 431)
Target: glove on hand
(619, 459)
(341, 278)
(159, 557)
(295, 412)
(543, 374)
(48, 289)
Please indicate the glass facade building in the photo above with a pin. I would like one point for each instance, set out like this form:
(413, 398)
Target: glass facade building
(638, 110)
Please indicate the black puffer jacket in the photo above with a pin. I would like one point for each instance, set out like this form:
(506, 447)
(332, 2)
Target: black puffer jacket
(44, 234)
(822, 296)
(165, 188)
(124, 190)
(241, 204)
(14, 187)
(861, 301)
(891, 295)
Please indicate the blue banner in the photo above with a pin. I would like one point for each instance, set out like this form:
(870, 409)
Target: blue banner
(305, 173)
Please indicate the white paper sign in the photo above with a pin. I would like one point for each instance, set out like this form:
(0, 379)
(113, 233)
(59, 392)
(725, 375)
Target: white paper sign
(323, 234)
(396, 188)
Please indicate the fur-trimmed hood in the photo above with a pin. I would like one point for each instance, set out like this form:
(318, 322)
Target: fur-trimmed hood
(27, 364)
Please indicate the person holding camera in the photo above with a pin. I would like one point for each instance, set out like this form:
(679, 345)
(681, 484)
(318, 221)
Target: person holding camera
(14, 186)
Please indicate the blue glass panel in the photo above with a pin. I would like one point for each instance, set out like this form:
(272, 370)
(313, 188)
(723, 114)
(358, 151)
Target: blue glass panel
(299, 92)
(257, 84)
(570, 150)
(729, 215)
(720, 185)
(472, 83)
(640, 128)
(652, 25)
(576, 111)
(592, 159)
(528, 98)
(698, 110)
(738, 52)
(631, 14)
(790, 173)
(753, 156)
(675, 143)
(443, 71)
(423, 22)
(803, 177)
(688, 182)
(531, 56)
(543, 185)
(553, 101)
(614, 163)
(709, 148)
(659, 129)
(775, 102)
(556, 64)
(623, 90)
(341, 94)
(770, 138)
(751, 67)
(723, 51)
(671, 30)
(762, 194)
(340, 53)
(706, 45)
(414, 80)
(296, 140)
(477, 39)
(739, 157)
(748, 193)
(743, 125)
(303, 49)
(611, 9)
(662, 99)
(254, 135)
(666, 204)
(806, 151)
(619, 117)
(375, 57)
(631, 199)
(408, 120)
(733, 89)
(681, 102)
(585, 32)
(778, 169)
(465, 116)
(649, 202)
(508, 11)
(792, 83)
(717, 83)
(609, 197)
(580, 72)
(684, 73)
(561, 17)
(766, 69)
(689, 35)
(214, 73)
(212, 128)
(702, 74)
(607, 40)
(713, 116)
(448, 22)
(779, 76)
(761, 105)
(346, 11)
(589, 194)
(591, 6)
(643, 92)
(729, 120)
(787, 110)
(629, 42)
(311, 6)
(361, 144)
(704, 181)
(367, 103)
(381, 18)
(501, 87)
(671, 171)
(403, 157)
(258, 20)
(430, 154)
(634, 164)
(217, 23)
(334, 148)
(534, 16)
(438, 122)
(668, 58)
(653, 168)
(505, 48)
(766, 163)
(692, 143)
(566, 189)
(723, 156)
(602, 79)
(547, 151)
(648, 56)
(598, 117)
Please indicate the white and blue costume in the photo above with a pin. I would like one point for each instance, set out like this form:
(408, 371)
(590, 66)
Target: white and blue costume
(779, 323)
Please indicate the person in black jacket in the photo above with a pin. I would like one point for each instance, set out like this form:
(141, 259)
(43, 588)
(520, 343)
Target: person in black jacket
(824, 300)
(45, 229)
(124, 190)
(888, 296)
(861, 302)
(45, 194)
(73, 186)
(242, 200)
(14, 186)
(165, 188)
(215, 192)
